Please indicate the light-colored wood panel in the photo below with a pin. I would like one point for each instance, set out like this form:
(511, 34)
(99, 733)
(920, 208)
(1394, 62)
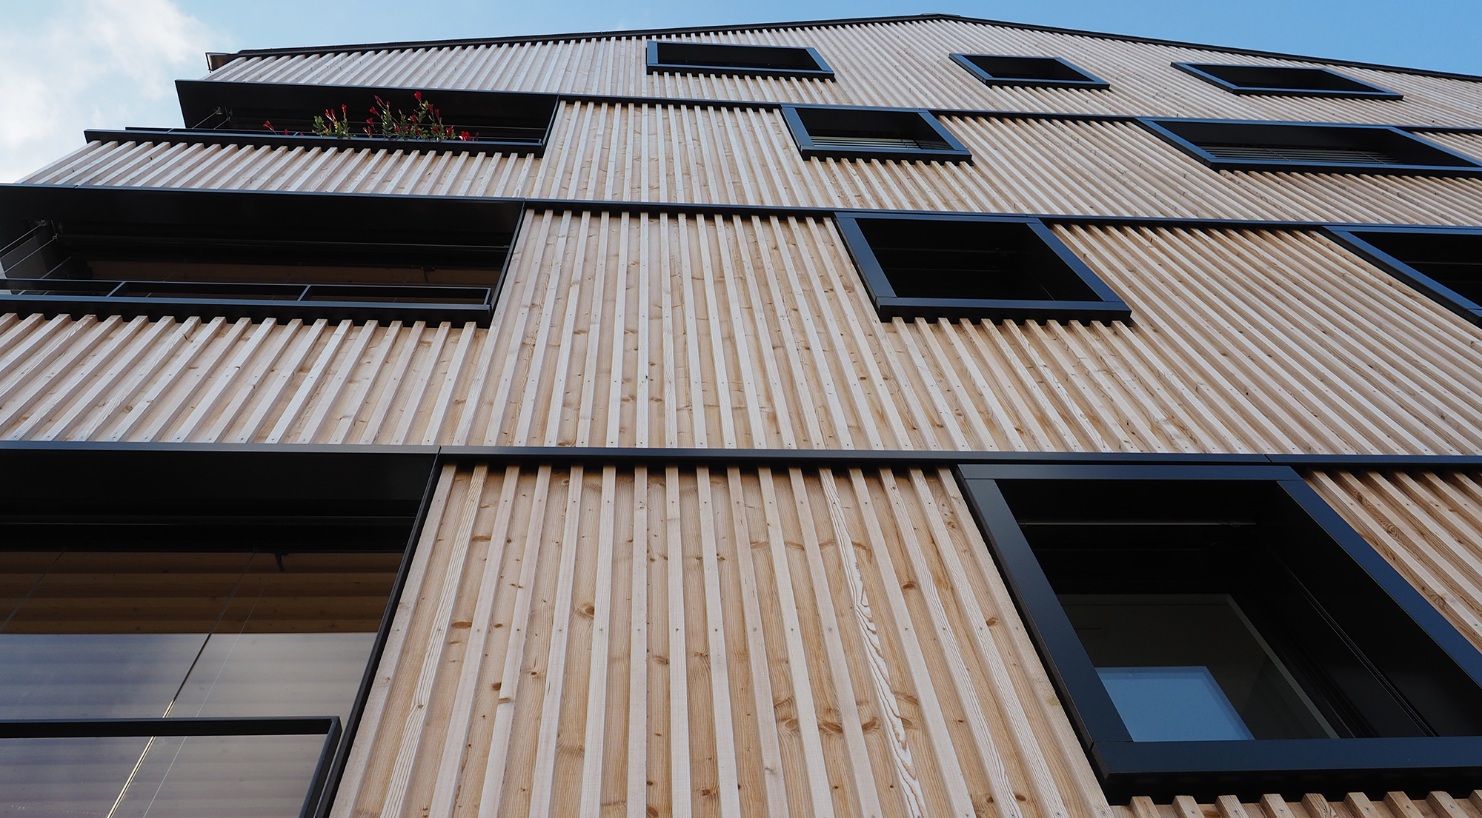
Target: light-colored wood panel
(903, 64)
(787, 608)
(716, 155)
(757, 333)
(795, 642)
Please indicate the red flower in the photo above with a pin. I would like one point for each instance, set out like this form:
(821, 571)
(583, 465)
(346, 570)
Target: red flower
(417, 95)
(465, 136)
(268, 125)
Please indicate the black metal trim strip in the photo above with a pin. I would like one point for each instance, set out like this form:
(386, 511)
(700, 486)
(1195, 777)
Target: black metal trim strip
(335, 771)
(216, 59)
(745, 210)
(174, 727)
(848, 458)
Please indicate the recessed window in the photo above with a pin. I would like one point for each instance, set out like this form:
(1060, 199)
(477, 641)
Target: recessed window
(1041, 72)
(1295, 146)
(475, 121)
(1221, 631)
(1444, 264)
(973, 267)
(176, 636)
(744, 60)
(1284, 80)
(239, 254)
(872, 133)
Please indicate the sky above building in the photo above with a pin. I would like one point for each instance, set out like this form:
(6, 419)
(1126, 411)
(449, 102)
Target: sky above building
(69, 65)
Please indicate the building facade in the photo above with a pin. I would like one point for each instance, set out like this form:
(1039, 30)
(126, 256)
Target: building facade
(909, 416)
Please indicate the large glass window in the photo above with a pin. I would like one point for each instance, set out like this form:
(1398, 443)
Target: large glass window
(192, 642)
(176, 253)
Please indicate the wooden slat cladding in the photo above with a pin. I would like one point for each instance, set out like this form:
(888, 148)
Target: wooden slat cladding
(1428, 525)
(657, 641)
(900, 64)
(663, 641)
(672, 331)
(731, 156)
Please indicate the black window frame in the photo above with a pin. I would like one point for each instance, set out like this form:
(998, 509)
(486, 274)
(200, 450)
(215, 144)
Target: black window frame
(206, 499)
(1191, 135)
(726, 59)
(975, 65)
(444, 231)
(1106, 305)
(1354, 238)
(234, 113)
(1212, 74)
(909, 123)
(1250, 768)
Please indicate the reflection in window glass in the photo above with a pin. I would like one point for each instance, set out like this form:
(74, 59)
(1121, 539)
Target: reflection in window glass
(157, 777)
(95, 635)
(1190, 667)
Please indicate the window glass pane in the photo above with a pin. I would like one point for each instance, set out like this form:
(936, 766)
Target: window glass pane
(65, 777)
(1172, 704)
(195, 777)
(93, 676)
(1190, 667)
(208, 776)
(276, 674)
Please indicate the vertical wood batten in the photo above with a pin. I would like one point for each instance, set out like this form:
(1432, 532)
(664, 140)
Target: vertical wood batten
(717, 155)
(919, 74)
(798, 602)
(623, 330)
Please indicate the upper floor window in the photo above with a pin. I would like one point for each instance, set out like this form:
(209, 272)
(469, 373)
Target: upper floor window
(1222, 631)
(1311, 147)
(176, 252)
(275, 113)
(1041, 72)
(1445, 264)
(742, 60)
(1284, 80)
(956, 266)
(872, 133)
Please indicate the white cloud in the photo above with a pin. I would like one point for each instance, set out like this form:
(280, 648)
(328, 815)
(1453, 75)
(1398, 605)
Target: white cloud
(88, 64)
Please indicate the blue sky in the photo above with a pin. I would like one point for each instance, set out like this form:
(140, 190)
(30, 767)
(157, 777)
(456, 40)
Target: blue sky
(67, 65)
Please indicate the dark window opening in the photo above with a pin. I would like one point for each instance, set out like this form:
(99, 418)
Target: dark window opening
(965, 267)
(872, 133)
(744, 60)
(254, 254)
(191, 633)
(1291, 146)
(1045, 72)
(1284, 80)
(1220, 631)
(1446, 265)
(482, 121)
